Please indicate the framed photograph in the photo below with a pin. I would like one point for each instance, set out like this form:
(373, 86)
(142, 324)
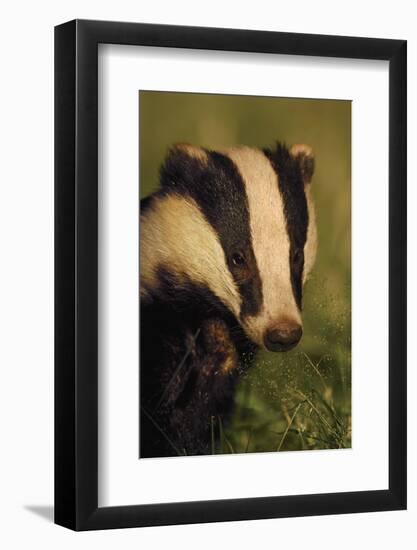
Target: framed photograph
(230, 254)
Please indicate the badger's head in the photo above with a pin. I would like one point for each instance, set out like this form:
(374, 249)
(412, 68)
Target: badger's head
(241, 224)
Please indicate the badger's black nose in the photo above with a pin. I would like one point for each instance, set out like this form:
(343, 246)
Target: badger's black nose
(283, 336)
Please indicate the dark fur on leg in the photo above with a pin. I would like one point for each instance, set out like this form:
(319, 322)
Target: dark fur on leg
(190, 361)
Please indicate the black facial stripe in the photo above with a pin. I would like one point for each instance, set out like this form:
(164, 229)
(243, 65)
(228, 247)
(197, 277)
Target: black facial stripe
(291, 186)
(230, 218)
(176, 289)
(218, 189)
(145, 203)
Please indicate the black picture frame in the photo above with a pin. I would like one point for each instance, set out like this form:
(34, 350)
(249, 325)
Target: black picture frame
(76, 271)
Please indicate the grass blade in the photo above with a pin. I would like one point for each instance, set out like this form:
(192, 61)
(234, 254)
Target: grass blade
(288, 427)
(161, 431)
(177, 370)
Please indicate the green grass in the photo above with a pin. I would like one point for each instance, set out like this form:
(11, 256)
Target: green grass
(289, 413)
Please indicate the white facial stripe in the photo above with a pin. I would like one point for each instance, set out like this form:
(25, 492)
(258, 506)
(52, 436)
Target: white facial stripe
(270, 240)
(310, 247)
(170, 228)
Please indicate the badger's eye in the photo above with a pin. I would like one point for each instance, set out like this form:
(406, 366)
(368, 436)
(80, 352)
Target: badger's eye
(238, 259)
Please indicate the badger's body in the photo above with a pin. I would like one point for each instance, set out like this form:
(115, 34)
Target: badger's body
(225, 247)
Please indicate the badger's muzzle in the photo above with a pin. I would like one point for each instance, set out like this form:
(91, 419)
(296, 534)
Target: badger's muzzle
(283, 336)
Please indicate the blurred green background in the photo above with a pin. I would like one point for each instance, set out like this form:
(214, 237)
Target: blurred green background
(300, 399)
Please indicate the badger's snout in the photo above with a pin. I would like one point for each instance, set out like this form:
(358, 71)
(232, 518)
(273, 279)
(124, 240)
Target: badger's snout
(282, 336)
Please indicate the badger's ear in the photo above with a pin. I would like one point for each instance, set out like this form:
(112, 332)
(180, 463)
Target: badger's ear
(305, 158)
(184, 165)
(191, 151)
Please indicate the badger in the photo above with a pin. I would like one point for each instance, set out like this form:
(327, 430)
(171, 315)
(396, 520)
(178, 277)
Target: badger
(226, 245)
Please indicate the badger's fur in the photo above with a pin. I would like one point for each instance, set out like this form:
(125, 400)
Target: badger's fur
(226, 245)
